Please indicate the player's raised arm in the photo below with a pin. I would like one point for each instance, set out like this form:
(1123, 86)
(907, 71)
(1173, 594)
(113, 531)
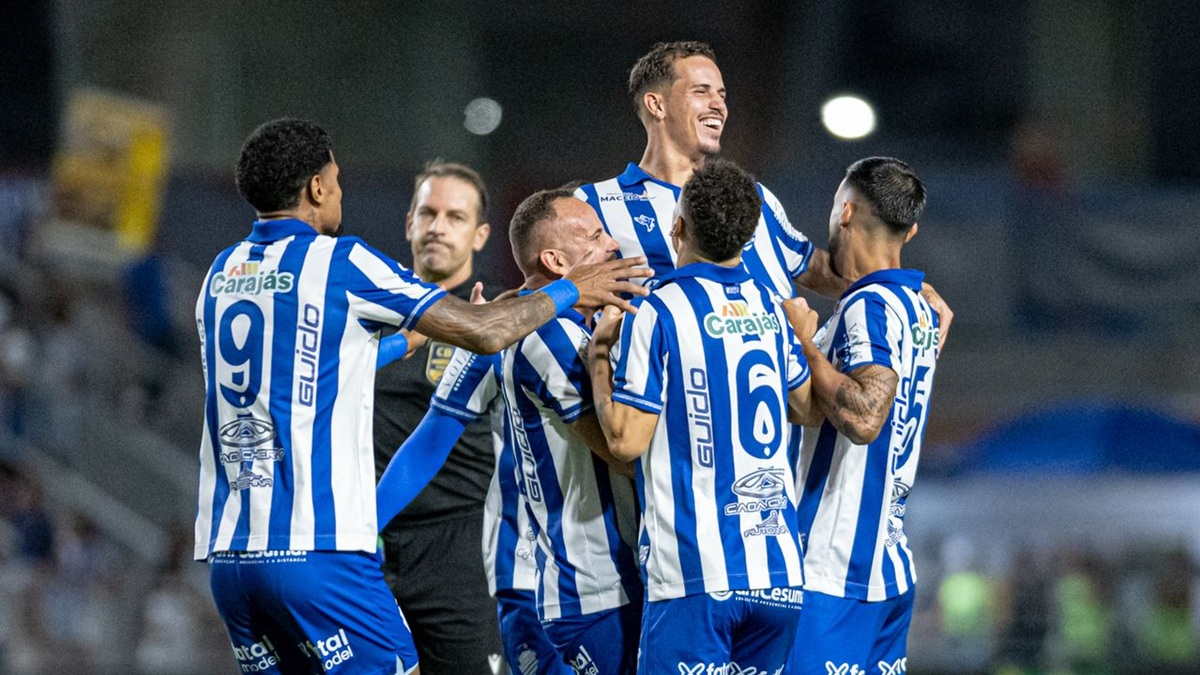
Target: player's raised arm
(486, 329)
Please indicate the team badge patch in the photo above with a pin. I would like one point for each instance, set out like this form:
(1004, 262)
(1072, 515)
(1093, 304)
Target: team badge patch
(439, 358)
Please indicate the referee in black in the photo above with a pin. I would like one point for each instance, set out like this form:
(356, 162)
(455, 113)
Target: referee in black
(433, 549)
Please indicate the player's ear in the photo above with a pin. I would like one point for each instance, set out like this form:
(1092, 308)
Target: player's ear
(315, 190)
(553, 261)
(912, 232)
(408, 225)
(482, 231)
(847, 213)
(655, 105)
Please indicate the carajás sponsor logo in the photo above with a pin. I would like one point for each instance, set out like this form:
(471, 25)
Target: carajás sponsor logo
(248, 278)
(735, 319)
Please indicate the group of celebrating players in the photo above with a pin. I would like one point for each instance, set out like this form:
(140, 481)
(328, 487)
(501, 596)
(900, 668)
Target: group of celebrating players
(684, 459)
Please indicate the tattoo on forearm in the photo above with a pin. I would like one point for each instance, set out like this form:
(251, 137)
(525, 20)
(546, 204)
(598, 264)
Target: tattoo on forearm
(864, 401)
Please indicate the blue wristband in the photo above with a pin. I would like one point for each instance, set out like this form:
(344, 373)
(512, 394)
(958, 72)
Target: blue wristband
(392, 347)
(563, 292)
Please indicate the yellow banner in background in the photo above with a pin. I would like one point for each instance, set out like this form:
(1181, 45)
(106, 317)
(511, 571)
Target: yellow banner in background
(109, 177)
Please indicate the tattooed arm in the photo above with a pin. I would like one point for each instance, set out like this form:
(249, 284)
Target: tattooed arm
(487, 329)
(857, 403)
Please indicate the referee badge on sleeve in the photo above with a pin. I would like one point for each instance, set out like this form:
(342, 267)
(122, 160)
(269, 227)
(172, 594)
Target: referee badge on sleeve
(436, 362)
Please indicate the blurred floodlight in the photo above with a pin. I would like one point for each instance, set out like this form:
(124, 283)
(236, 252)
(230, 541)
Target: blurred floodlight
(482, 116)
(848, 117)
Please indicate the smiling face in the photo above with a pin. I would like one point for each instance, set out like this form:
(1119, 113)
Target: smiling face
(695, 107)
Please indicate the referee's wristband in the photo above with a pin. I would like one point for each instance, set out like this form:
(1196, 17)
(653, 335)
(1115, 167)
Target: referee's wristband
(563, 292)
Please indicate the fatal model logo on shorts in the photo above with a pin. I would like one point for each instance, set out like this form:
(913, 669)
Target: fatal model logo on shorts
(256, 657)
(331, 651)
(731, 668)
(439, 358)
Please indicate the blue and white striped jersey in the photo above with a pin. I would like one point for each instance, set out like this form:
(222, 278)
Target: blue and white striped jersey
(583, 514)
(711, 352)
(469, 389)
(852, 497)
(637, 212)
(289, 330)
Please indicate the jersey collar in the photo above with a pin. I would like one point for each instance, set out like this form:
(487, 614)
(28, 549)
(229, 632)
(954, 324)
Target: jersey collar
(635, 175)
(706, 270)
(894, 277)
(273, 230)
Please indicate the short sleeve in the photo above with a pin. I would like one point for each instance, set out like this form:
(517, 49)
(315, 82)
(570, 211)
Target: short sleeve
(640, 360)
(552, 367)
(382, 290)
(795, 248)
(468, 387)
(873, 334)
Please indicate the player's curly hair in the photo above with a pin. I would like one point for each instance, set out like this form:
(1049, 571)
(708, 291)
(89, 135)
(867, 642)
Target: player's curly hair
(534, 210)
(657, 67)
(277, 161)
(896, 195)
(721, 206)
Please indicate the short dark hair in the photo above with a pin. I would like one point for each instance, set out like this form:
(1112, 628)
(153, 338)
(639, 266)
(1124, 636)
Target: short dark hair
(657, 66)
(462, 172)
(896, 195)
(277, 161)
(536, 209)
(721, 206)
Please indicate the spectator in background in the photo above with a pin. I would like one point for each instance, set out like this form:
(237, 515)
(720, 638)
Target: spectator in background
(1167, 640)
(1026, 618)
(1081, 624)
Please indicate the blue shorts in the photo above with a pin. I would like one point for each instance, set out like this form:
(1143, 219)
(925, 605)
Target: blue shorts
(310, 612)
(724, 632)
(840, 635)
(600, 643)
(526, 647)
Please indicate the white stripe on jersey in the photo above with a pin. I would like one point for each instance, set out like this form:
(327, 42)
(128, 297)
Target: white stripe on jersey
(857, 493)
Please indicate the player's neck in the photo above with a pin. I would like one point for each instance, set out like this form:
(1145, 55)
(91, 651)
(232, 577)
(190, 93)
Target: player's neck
(666, 163)
(868, 261)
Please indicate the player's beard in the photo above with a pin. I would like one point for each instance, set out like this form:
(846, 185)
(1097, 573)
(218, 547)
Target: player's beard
(833, 256)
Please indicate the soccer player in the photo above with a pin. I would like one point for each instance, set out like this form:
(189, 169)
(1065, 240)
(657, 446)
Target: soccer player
(289, 323)
(708, 376)
(431, 553)
(872, 365)
(581, 506)
(679, 96)
(469, 390)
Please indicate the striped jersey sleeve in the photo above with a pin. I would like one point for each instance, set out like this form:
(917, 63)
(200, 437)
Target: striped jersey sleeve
(468, 387)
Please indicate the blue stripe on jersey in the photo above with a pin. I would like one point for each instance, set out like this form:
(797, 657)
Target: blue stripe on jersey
(333, 327)
(653, 238)
(284, 345)
(618, 550)
(221, 487)
(867, 529)
(801, 247)
(241, 529)
(524, 374)
(818, 476)
(510, 506)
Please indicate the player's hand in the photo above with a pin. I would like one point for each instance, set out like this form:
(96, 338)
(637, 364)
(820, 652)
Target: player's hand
(477, 294)
(606, 332)
(945, 314)
(415, 342)
(802, 317)
(602, 283)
